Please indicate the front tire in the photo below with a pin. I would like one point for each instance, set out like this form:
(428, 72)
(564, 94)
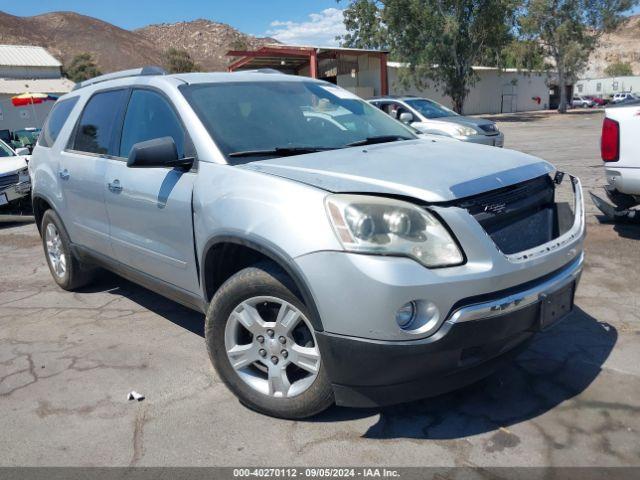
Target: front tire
(263, 346)
(67, 271)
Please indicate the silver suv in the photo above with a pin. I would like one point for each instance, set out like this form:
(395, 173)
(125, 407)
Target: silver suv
(337, 257)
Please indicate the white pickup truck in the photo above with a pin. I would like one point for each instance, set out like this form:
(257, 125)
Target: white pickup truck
(620, 150)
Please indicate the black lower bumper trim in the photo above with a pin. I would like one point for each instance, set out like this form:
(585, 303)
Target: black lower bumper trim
(370, 373)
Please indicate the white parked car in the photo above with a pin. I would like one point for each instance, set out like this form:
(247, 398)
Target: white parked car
(624, 96)
(580, 101)
(14, 174)
(620, 151)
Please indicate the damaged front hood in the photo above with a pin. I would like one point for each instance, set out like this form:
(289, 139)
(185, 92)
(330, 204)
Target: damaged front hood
(430, 170)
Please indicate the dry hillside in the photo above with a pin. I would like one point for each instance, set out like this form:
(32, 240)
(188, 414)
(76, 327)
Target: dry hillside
(206, 41)
(622, 45)
(66, 34)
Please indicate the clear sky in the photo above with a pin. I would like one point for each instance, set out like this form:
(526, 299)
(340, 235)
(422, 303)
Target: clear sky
(315, 22)
(291, 21)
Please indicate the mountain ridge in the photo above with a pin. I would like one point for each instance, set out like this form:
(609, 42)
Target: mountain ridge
(66, 34)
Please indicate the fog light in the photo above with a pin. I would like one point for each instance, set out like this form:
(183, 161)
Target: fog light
(406, 315)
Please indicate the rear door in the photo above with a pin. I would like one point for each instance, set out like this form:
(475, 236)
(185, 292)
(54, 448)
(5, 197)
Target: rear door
(149, 209)
(83, 166)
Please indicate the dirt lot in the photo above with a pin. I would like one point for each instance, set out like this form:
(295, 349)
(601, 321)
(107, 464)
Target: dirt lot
(68, 360)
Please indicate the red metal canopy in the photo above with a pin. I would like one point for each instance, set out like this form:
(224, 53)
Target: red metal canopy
(296, 57)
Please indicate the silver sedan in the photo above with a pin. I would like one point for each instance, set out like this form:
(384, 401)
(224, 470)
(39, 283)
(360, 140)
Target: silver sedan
(430, 117)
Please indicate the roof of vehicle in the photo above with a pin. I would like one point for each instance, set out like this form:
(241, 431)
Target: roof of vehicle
(125, 77)
(240, 76)
(395, 97)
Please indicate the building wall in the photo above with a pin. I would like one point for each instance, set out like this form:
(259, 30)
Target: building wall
(366, 82)
(14, 118)
(494, 92)
(606, 87)
(9, 71)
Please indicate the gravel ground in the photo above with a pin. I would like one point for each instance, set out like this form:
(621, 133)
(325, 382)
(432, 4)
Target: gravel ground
(68, 360)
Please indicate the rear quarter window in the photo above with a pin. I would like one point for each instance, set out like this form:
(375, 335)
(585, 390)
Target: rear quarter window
(55, 121)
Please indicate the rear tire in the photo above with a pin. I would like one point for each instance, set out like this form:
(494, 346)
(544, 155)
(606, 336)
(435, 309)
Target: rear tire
(248, 316)
(67, 271)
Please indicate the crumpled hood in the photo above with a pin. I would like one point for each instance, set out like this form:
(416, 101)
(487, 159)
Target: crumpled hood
(430, 170)
(12, 164)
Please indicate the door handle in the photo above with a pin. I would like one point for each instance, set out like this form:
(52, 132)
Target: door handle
(64, 174)
(114, 186)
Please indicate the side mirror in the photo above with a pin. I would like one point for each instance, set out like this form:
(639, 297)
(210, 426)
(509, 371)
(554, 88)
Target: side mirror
(157, 153)
(22, 151)
(406, 117)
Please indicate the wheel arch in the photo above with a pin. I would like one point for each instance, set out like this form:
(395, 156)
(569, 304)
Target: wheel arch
(40, 205)
(219, 250)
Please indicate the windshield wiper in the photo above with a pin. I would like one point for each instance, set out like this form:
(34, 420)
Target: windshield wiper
(280, 151)
(378, 139)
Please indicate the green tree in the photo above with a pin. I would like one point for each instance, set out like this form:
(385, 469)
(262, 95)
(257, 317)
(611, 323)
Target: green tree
(365, 28)
(82, 67)
(179, 61)
(439, 40)
(524, 54)
(568, 31)
(618, 69)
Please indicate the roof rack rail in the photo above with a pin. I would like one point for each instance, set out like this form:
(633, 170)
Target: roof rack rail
(134, 72)
(260, 70)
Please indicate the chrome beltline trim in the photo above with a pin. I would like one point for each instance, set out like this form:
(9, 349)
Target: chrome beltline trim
(518, 300)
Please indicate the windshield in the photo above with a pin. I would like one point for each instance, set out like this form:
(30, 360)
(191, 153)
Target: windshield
(5, 151)
(429, 108)
(268, 118)
(27, 137)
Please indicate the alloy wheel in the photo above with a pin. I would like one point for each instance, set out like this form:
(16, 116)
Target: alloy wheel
(55, 251)
(271, 346)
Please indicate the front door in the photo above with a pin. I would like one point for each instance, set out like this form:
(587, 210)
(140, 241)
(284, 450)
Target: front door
(149, 209)
(82, 170)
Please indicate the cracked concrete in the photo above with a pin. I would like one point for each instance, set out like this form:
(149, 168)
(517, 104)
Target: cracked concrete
(68, 360)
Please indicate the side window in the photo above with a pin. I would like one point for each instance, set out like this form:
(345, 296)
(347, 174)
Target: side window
(98, 123)
(395, 109)
(150, 116)
(55, 121)
(389, 109)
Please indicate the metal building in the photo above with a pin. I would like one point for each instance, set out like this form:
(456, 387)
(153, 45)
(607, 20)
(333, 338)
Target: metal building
(496, 91)
(363, 72)
(28, 70)
(608, 86)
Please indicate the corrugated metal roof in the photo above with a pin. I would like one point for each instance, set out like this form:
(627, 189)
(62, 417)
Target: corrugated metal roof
(45, 85)
(26, 56)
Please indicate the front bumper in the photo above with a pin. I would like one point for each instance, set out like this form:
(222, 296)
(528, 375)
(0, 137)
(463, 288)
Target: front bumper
(16, 191)
(474, 341)
(623, 179)
(491, 140)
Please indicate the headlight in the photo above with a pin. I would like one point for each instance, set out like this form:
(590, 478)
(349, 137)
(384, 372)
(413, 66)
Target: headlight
(456, 130)
(23, 173)
(386, 226)
(466, 131)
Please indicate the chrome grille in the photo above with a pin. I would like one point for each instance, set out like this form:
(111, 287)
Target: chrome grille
(7, 180)
(489, 128)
